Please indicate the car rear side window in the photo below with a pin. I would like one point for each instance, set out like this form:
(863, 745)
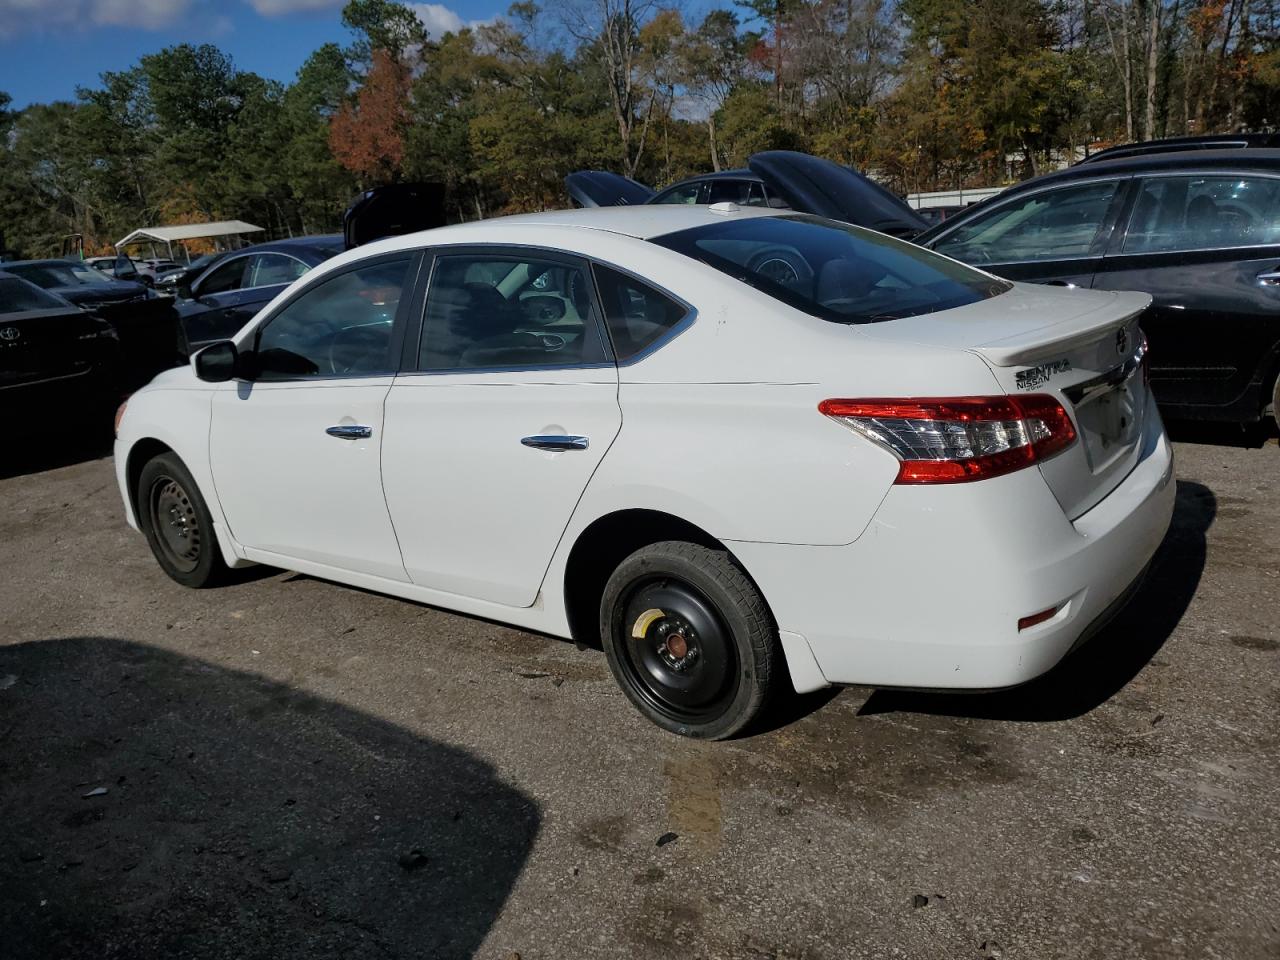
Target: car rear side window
(637, 315)
(268, 269)
(490, 312)
(341, 326)
(1204, 213)
(833, 270)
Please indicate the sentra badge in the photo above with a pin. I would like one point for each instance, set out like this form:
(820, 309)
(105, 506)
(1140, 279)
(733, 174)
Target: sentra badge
(1033, 377)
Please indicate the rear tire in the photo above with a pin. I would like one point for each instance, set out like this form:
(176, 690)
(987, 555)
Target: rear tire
(689, 639)
(177, 523)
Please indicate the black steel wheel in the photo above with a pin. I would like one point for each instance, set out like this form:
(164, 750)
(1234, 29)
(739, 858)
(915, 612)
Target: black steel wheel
(177, 523)
(689, 639)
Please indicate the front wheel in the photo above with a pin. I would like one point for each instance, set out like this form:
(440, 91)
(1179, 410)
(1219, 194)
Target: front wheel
(177, 523)
(689, 639)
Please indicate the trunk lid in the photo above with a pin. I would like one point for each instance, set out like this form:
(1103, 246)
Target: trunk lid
(600, 188)
(46, 344)
(1082, 347)
(813, 185)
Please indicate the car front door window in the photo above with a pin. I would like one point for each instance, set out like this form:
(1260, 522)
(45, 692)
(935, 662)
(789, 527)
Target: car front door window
(341, 326)
(1204, 213)
(229, 276)
(1048, 225)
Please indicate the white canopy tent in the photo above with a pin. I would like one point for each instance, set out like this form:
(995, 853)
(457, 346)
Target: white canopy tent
(187, 231)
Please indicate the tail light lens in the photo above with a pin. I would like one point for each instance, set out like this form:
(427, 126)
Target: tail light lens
(958, 439)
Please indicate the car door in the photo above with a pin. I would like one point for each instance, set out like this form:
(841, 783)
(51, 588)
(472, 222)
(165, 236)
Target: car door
(296, 448)
(1056, 235)
(1207, 248)
(266, 276)
(207, 315)
(511, 404)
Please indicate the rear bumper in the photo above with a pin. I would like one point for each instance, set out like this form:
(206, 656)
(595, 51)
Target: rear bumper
(931, 594)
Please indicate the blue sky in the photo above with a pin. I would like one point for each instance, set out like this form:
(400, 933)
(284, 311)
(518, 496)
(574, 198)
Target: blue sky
(49, 47)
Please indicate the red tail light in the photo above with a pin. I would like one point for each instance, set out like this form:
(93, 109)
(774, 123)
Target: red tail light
(958, 439)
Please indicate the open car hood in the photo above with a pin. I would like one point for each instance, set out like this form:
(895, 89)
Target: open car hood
(392, 210)
(813, 185)
(599, 188)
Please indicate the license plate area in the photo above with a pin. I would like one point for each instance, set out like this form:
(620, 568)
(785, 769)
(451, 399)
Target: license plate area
(1110, 421)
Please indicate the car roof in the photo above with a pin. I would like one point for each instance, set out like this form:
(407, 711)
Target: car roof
(643, 222)
(1234, 159)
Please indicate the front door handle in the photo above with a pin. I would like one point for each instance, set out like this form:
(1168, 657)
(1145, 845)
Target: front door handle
(554, 442)
(1269, 278)
(349, 431)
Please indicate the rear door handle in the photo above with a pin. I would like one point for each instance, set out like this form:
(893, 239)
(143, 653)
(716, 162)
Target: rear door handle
(553, 442)
(1270, 278)
(349, 431)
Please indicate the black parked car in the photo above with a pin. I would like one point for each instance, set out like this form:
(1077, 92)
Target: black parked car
(57, 362)
(1198, 230)
(226, 294)
(775, 178)
(145, 322)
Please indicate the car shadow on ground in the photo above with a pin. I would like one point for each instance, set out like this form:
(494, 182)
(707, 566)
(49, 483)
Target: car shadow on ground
(1103, 666)
(1245, 436)
(155, 805)
(60, 445)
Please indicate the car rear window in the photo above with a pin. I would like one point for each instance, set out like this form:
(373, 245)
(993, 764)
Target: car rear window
(18, 296)
(833, 270)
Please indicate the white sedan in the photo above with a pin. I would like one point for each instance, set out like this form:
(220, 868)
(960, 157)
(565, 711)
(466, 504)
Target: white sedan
(734, 446)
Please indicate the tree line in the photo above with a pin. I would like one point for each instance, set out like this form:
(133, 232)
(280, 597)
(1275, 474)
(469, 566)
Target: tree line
(925, 94)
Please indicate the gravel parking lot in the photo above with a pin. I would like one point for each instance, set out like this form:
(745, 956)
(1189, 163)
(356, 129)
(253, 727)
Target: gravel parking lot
(288, 768)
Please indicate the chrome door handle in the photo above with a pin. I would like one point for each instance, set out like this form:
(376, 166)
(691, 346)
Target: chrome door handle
(1269, 278)
(553, 442)
(349, 431)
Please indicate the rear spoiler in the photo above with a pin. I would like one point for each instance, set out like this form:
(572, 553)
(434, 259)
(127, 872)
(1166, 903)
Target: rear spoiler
(393, 210)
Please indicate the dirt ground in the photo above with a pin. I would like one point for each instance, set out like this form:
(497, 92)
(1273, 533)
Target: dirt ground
(288, 768)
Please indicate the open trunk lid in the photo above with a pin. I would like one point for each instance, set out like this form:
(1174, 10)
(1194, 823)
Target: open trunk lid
(813, 185)
(599, 188)
(1082, 347)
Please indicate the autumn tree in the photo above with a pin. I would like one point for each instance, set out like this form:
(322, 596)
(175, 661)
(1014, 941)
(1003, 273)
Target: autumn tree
(367, 136)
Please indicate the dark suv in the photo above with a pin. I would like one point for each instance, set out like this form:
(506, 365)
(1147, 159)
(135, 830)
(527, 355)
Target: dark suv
(1198, 230)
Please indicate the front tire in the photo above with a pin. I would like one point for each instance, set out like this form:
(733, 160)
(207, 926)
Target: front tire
(689, 639)
(177, 523)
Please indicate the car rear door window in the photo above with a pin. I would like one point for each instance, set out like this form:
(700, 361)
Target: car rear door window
(1204, 213)
(268, 269)
(746, 193)
(1042, 226)
(341, 326)
(638, 316)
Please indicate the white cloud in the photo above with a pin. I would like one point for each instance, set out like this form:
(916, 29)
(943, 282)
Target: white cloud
(439, 19)
(275, 8)
(17, 16)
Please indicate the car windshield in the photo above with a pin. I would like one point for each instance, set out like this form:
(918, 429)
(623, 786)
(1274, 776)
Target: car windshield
(18, 296)
(49, 275)
(833, 270)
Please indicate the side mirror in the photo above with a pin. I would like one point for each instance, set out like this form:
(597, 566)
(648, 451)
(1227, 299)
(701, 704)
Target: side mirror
(185, 291)
(217, 362)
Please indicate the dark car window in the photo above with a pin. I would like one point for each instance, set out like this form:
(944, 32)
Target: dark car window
(683, 193)
(50, 275)
(746, 193)
(267, 269)
(1204, 213)
(342, 326)
(1042, 226)
(486, 311)
(834, 270)
(227, 277)
(17, 296)
(637, 315)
